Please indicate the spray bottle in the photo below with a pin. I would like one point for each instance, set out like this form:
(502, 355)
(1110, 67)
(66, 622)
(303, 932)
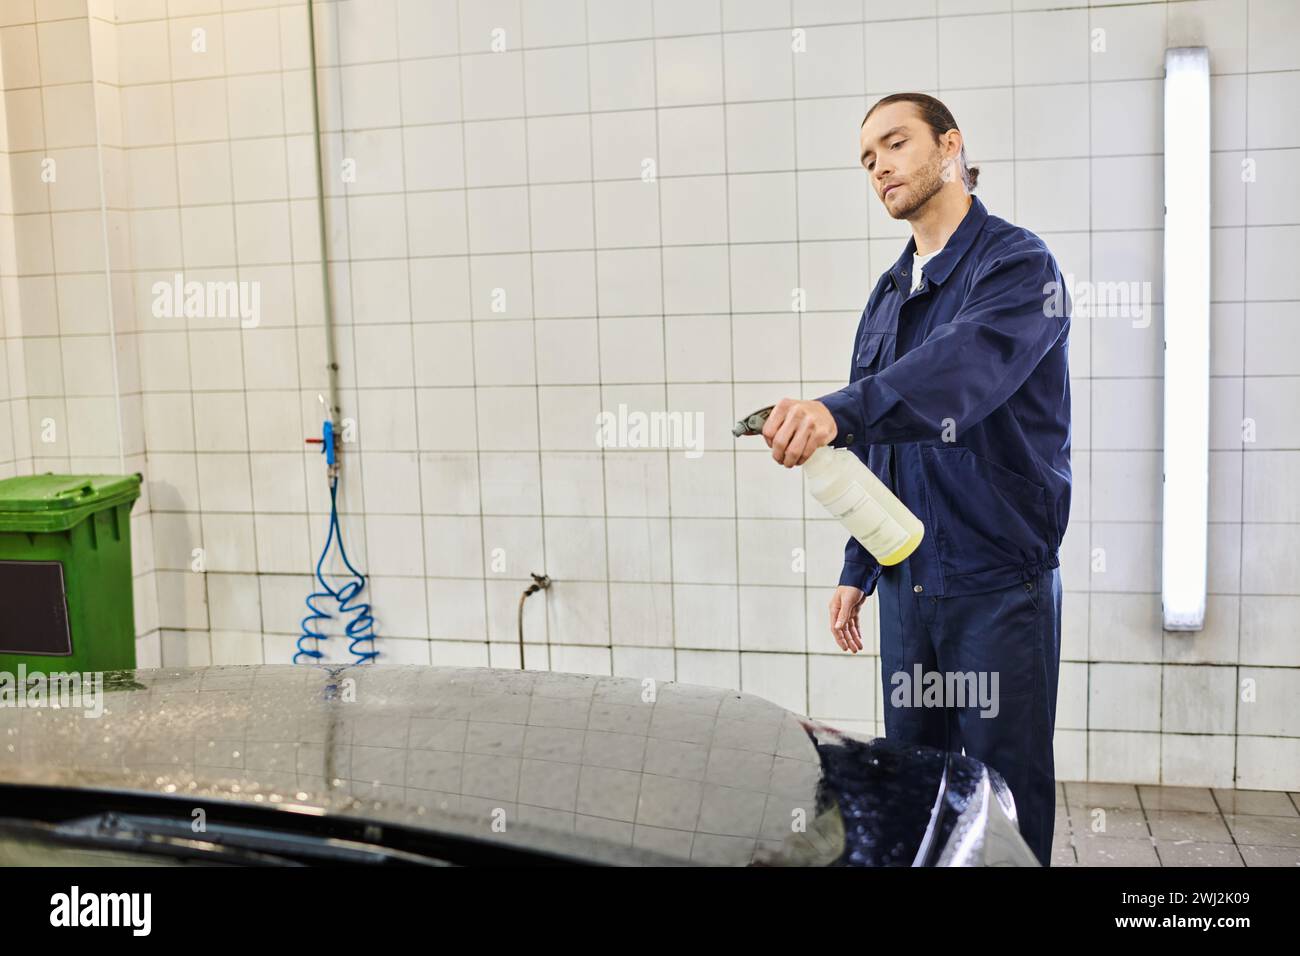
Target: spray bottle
(850, 491)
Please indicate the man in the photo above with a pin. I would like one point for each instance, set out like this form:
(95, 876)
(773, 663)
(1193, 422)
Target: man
(959, 400)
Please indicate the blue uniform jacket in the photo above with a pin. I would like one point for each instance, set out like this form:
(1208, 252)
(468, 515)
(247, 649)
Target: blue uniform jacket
(959, 400)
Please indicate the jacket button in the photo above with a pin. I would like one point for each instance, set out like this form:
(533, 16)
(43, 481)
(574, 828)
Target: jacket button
(848, 439)
(918, 589)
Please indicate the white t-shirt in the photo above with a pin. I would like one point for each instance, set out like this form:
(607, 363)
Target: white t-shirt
(918, 262)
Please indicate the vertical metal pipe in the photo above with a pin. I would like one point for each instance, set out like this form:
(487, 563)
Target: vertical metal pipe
(331, 350)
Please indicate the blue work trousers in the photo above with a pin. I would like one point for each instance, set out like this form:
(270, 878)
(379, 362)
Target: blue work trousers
(1013, 632)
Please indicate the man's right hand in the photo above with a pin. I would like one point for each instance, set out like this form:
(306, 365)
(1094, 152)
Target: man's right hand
(845, 604)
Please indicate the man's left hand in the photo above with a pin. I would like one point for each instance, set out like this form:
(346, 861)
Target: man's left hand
(796, 429)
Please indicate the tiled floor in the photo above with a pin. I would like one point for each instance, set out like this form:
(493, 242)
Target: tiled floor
(1114, 824)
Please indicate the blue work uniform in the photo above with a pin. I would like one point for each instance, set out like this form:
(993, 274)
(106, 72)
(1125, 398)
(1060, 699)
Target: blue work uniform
(959, 401)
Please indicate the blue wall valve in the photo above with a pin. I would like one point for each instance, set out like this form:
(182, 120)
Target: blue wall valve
(326, 441)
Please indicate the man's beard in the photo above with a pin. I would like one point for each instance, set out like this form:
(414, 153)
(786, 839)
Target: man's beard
(924, 184)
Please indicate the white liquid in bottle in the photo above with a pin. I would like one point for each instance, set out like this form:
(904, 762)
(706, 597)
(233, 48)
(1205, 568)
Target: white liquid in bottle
(850, 491)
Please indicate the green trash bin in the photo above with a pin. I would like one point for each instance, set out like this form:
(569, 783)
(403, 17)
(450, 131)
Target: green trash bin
(65, 573)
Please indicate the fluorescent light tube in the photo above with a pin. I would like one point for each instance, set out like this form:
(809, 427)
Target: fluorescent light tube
(1185, 517)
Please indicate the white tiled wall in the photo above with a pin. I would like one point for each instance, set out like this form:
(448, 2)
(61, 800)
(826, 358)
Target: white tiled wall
(71, 383)
(540, 210)
(217, 123)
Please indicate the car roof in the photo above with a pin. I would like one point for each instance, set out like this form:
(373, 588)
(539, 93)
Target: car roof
(611, 769)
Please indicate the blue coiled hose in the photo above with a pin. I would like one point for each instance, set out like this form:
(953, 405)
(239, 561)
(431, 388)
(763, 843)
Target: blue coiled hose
(360, 629)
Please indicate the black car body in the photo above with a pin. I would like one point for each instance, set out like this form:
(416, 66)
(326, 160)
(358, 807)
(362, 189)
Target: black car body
(397, 765)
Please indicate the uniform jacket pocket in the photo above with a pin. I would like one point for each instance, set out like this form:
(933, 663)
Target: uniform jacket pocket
(870, 350)
(988, 515)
